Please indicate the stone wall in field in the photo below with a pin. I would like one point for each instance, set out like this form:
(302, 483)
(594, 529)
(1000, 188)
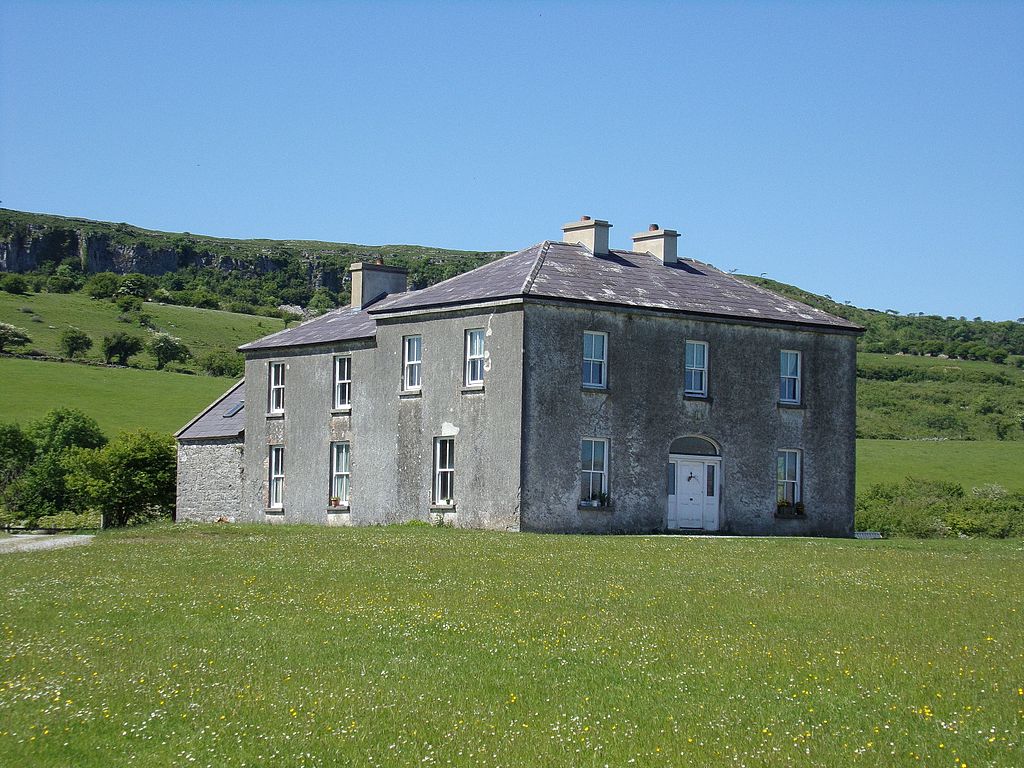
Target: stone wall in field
(209, 479)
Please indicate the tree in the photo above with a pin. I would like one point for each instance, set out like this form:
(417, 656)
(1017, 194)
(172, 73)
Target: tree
(321, 302)
(102, 285)
(13, 284)
(168, 349)
(41, 488)
(13, 336)
(122, 346)
(16, 452)
(131, 478)
(64, 428)
(74, 340)
(136, 284)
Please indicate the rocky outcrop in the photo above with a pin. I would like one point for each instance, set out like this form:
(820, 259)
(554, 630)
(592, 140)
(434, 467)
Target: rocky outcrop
(101, 255)
(26, 249)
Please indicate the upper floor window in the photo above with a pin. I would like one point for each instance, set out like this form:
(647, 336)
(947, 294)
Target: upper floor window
(594, 470)
(788, 477)
(475, 357)
(696, 380)
(276, 495)
(412, 362)
(595, 359)
(275, 397)
(444, 470)
(340, 474)
(342, 383)
(789, 376)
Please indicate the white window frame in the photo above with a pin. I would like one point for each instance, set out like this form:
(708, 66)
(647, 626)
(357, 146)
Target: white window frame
(593, 361)
(275, 387)
(788, 459)
(702, 390)
(410, 366)
(444, 468)
(784, 378)
(342, 383)
(275, 489)
(341, 472)
(601, 475)
(475, 360)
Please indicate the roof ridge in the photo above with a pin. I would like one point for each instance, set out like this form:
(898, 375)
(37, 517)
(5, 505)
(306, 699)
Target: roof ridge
(537, 264)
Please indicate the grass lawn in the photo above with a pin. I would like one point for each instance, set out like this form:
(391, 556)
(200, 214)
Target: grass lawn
(970, 463)
(202, 330)
(260, 645)
(119, 399)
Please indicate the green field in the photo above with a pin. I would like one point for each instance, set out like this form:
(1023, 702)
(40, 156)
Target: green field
(969, 463)
(202, 330)
(118, 398)
(259, 645)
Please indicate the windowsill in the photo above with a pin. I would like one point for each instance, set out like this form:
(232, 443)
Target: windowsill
(410, 394)
(346, 411)
(599, 390)
(790, 515)
(588, 508)
(697, 397)
(276, 415)
(341, 508)
(472, 389)
(793, 406)
(274, 510)
(442, 507)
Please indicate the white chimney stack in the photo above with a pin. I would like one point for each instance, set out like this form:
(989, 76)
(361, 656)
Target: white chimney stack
(373, 281)
(593, 233)
(660, 243)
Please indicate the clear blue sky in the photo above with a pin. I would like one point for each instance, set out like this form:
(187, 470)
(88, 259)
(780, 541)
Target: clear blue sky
(869, 151)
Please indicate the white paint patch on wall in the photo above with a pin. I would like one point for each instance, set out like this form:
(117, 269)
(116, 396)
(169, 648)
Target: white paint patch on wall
(449, 430)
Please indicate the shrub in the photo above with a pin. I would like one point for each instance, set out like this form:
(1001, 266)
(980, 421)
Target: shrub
(70, 520)
(129, 303)
(14, 284)
(102, 285)
(221, 362)
(130, 479)
(61, 284)
(135, 284)
(168, 349)
(13, 336)
(122, 346)
(74, 340)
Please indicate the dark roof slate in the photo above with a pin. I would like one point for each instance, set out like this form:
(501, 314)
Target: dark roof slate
(215, 421)
(344, 324)
(571, 272)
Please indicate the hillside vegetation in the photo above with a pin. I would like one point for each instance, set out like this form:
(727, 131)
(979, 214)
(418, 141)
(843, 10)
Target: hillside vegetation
(198, 270)
(411, 646)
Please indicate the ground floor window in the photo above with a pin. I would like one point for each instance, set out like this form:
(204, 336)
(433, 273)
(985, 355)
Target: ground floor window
(444, 470)
(276, 476)
(594, 470)
(788, 478)
(340, 474)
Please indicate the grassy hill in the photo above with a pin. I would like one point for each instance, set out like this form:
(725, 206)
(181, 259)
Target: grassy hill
(119, 399)
(46, 315)
(403, 646)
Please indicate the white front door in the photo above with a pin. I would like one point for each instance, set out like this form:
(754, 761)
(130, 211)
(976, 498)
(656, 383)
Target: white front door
(693, 493)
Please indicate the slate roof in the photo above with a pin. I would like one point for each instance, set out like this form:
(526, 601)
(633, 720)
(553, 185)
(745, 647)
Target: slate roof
(623, 278)
(344, 324)
(215, 421)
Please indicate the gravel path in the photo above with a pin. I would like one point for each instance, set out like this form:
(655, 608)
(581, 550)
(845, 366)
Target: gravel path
(33, 542)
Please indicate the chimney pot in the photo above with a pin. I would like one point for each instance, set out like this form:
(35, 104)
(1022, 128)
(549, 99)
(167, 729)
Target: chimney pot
(591, 233)
(660, 243)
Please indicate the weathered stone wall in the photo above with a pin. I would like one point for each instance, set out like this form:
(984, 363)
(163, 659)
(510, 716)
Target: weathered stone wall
(644, 409)
(209, 479)
(391, 436)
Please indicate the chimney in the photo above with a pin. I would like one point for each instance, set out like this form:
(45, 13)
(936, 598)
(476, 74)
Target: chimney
(593, 233)
(374, 281)
(660, 243)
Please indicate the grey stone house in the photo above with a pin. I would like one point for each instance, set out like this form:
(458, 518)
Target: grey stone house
(566, 387)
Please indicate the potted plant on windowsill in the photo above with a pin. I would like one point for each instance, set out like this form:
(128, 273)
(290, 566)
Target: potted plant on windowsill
(335, 501)
(783, 508)
(602, 499)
